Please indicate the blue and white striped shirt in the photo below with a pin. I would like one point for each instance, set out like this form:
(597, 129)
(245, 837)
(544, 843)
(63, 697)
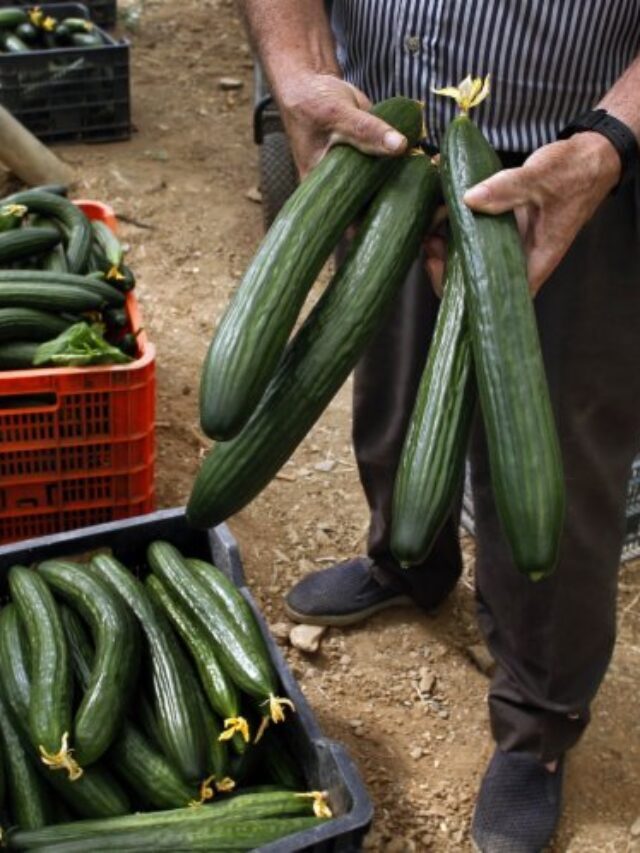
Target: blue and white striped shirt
(549, 60)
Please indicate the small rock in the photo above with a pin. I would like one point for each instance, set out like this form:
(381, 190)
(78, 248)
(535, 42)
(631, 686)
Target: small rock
(345, 660)
(280, 631)
(635, 828)
(372, 840)
(253, 194)
(326, 465)
(481, 657)
(355, 724)
(400, 845)
(415, 753)
(307, 637)
(230, 84)
(427, 683)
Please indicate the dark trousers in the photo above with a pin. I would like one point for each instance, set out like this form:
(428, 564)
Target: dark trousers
(553, 640)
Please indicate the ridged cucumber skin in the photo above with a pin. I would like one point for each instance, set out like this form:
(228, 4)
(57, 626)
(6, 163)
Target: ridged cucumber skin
(218, 824)
(524, 452)
(12, 17)
(51, 297)
(26, 242)
(116, 639)
(96, 793)
(218, 687)
(50, 702)
(145, 770)
(325, 349)
(17, 355)
(109, 244)
(79, 228)
(30, 324)
(29, 799)
(252, 335)
(176, 709)
(108, 295)
(10, 43)
(230, 598)
(431, 466)
(217, 751)
(55, 261)
(245, 665)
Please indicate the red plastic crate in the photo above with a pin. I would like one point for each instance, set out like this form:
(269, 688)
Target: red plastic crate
(77, 445)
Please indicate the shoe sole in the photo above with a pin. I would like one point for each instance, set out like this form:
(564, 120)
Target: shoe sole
(347, 618)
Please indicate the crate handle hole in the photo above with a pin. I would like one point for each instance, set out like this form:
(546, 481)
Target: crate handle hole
(47, 400)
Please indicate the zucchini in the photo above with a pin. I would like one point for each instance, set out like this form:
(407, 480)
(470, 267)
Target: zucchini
(12, 16)
(29, 279)
(71, 217)
(252, 335)
(17, 355)
(218, 826)
(29, 324)
(326, 348)
(431, 468)
(25, 242)
(95, 793)
(10, 43)
(117, 655)
(132, 757)
(176, 708)
(28, 797)
(249, 667)
(524, 452)
(218, 687)
(49, 716)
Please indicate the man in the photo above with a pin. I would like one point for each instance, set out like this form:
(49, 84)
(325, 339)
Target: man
(578, 207)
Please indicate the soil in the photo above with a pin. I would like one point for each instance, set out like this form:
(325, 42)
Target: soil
(401, 692)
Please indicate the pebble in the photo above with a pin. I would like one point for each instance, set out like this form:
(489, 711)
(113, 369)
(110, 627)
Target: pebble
(427, 683)
(345, 660)
(372, 840)
(635, 828)
(280, 631)
(230, 84)
(400, 845)
(253, 194)
(356, 724)
(416, 753)
(481, 657)
(307, 637)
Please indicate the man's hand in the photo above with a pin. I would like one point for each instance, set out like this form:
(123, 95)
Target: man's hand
(320, 110)
(553, 194)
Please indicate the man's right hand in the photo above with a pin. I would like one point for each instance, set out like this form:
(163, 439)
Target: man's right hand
(320, 110)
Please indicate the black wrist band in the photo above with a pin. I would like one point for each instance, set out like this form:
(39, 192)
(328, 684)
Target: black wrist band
(619, 135)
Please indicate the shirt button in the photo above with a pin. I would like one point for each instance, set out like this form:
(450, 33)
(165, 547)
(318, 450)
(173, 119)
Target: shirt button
(412, 44)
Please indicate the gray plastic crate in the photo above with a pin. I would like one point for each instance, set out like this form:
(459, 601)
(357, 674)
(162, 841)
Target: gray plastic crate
(325, 763)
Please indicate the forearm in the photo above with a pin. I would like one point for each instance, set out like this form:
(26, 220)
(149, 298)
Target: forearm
(291, 37)
(623, 99)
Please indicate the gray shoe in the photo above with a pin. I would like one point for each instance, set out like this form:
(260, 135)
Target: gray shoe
(341, 595)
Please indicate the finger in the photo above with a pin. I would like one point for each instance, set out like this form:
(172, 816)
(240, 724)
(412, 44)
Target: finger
(435, 247)
(368, 133)
(439, 218)
(503, 191)
(435, 271)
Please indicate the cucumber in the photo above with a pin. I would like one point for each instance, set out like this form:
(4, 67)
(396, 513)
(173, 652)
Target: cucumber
(524, 452)
(11, 216)
(62, 37)
(77, 25)
(49, 296)
(12, 16)
(325, 349)
(10, 43)
(218, 826)
(116, 318)
(217, 756)
(95, 793)
(29, 324)
(17, 355)
(28, 797)
(27, 32)
(49, 716)
(71, 217)
(29, 279)
(220, 690)
(132, 757)
(55, 260)
(108, 244)
(176, 709)
(431, 469)
(249, 667)
(25, 242)
(93, 39)
(252, 335)
(117, 655)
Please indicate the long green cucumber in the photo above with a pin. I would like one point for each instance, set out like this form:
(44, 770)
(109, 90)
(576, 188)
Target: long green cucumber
(17, 355)
(117, 655)
(30, 324)
(46, 296)
(60, 208)
(249, 668)
(325, 349)
(108, 243)
(55, 260)
(524, 451)
(12, 17)
(229, 597)
(252, 335)
(175, 829)
(50, 701)
(26, 242)
(28, 797)
(95, 794)
(217, 753)
(108, 294)
(132, 757)
(431, 467)
(176, 709)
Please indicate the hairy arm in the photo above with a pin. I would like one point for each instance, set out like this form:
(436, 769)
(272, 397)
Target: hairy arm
(295, 44)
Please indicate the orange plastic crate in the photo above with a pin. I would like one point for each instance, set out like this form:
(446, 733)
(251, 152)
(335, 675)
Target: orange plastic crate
(77, 445)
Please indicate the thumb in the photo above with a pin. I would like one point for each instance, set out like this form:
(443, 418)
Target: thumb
(503, 191)
(368, 133)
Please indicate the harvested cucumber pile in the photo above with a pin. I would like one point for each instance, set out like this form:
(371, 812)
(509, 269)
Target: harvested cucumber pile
(22, 30)
(261, 393)
(63, 285)
(139, 710)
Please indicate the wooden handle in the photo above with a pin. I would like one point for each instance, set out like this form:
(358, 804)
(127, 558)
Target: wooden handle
(27, 157)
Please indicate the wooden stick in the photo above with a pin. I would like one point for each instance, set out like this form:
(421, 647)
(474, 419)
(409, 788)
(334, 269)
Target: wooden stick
(27, 157)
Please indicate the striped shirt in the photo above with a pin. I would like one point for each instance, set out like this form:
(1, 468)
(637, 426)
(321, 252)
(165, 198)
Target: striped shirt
(549, 60)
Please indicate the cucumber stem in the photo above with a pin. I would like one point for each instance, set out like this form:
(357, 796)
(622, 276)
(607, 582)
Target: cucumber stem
(321, 807)
(62, 760)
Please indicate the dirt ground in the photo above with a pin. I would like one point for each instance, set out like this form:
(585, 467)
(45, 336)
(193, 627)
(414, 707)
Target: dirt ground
(401, 692)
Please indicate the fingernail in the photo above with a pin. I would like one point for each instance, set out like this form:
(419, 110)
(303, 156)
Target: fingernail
(477, 195)
(393, 141)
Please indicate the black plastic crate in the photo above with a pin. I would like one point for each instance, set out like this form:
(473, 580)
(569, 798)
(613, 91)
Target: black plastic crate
(102, 12)
(325, 763)
(70, 93)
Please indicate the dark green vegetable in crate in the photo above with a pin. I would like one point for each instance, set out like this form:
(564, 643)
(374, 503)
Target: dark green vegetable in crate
(30, 324)
(103, 294)
(17, 355)
(25, 242)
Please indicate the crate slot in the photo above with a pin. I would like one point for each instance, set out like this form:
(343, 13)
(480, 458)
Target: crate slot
(48, 400)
